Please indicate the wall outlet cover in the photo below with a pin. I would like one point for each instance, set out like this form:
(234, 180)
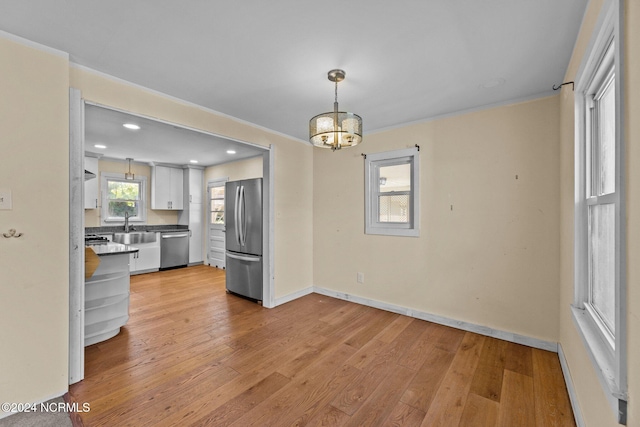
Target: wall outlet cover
(5, 199)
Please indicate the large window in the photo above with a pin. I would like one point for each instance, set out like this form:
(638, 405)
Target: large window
(600, 289)
(122, 197)
(391, 193)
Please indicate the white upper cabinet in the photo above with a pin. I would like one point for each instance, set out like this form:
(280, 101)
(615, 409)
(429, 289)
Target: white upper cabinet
(196, 178)
(166, 188)
(91, 188)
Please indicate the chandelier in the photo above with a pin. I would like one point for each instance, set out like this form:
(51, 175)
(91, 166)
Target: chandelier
(335, 129)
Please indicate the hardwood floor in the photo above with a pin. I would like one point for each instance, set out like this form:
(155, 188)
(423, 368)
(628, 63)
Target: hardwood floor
(192, 355)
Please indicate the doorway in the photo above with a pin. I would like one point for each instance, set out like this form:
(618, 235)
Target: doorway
(76, 236)
(216, 223)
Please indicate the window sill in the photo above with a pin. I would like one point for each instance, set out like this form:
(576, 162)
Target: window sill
(402, 232)
(603, 359)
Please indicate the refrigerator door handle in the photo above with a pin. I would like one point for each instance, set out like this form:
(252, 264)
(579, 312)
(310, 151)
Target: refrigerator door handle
(237, 216)
(243, 218)
(243, 257)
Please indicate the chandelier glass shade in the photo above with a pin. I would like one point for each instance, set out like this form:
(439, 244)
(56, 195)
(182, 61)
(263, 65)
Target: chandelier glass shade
(335, 129)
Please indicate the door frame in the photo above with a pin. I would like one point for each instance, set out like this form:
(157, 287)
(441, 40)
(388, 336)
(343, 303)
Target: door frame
(76, 236)
(76, 222)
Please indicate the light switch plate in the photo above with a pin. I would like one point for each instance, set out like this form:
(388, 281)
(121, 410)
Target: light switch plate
(5, 199)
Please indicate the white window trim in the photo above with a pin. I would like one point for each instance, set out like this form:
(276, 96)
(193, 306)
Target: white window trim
(106, 220)
(218, 182)
(610, 363)
(372, 226)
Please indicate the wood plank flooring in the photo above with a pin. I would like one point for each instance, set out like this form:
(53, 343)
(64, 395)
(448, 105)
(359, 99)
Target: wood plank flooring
(192, 355)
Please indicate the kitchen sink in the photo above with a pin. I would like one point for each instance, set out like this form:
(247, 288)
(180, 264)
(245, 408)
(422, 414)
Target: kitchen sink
(134, 237)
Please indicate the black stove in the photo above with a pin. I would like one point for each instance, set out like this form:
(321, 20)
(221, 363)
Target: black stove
(94, 239)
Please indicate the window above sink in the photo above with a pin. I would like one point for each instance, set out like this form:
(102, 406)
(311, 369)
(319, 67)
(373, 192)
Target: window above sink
(122, 196)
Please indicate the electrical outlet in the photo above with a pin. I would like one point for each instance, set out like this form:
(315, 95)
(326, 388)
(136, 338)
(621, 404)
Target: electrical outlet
(360, 277)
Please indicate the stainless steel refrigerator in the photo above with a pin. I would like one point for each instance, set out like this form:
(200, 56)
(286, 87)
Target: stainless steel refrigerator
(243, 236)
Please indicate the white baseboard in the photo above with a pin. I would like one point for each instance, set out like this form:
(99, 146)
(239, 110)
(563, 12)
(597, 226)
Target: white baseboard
(465, 326)
(573, 398)
(285, 299)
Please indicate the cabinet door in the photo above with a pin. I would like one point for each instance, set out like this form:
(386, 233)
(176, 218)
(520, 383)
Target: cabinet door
(91, 186)
(160, 187)
(148, 258)
(196, 177)
(177, 190)
(196, 233)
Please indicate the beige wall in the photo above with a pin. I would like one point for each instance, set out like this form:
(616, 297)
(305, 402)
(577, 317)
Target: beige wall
(293, 162)
(490, 260)
(34, 165)
(154, 217)
(242, 169)
(591, 397)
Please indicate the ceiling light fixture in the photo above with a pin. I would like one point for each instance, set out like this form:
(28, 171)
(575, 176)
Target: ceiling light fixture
(335, 129)
(231, 152)
(193, 161)
(131, 126)
(100, 146)
(129, 175)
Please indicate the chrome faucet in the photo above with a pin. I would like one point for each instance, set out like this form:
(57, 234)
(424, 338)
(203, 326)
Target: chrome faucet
(126, 222)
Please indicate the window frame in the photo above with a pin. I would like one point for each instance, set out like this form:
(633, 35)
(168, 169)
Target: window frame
(373, 163)
(608, 353)
(105, 177)
(211, 185)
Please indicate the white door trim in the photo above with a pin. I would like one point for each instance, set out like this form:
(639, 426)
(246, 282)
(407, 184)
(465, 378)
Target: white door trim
(217, 182)
(76, 236)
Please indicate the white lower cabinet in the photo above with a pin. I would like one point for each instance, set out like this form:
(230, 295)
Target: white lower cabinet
(106, 302)
(148, 257)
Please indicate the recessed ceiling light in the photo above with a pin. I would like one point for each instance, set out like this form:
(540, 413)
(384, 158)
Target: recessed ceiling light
(131, 126)
(193, 161)
(100, 146)
(231, 151)
(493, 83)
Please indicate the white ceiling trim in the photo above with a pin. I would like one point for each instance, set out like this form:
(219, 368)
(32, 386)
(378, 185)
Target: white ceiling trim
(34, 45)
(467, 111)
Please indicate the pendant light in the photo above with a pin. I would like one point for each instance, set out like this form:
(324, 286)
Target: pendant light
(335, 129)
(129, 175)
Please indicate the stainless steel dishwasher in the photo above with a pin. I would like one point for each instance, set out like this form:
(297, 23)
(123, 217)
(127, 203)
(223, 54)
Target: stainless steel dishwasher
(174, 249)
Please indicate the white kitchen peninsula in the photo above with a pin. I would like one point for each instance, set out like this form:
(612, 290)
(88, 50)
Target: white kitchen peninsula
(106, 306)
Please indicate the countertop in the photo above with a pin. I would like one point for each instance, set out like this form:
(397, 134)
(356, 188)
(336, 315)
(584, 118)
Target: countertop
(113, 249)
(120, 228)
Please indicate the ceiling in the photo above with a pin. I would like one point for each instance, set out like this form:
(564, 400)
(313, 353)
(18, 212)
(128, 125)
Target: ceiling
(267, 62)
(156, 141)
